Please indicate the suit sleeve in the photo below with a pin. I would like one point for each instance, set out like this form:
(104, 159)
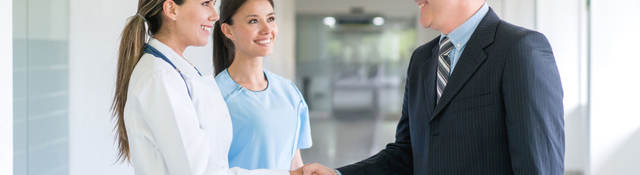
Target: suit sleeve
(396, 158)
(534, 109)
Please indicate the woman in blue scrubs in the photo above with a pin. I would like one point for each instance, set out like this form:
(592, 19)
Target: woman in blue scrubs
(269, 116)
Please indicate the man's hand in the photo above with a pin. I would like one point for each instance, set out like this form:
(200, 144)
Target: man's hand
(296, 172)
(317, 169)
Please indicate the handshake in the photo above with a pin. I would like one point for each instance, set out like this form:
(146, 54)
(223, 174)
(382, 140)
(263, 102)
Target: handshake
(313, 169)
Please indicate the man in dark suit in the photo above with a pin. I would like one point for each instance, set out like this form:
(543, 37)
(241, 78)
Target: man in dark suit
(483, 98)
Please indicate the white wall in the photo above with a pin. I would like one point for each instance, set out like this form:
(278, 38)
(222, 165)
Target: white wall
(615, 119)
(6, 89)
(282, 61)
(562, 23)
(94, 35)
(520, 12)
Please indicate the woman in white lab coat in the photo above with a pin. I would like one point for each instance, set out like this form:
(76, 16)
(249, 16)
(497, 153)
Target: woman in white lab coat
(171, 119)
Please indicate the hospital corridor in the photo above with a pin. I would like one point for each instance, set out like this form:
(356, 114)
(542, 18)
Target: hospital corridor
(348, 59)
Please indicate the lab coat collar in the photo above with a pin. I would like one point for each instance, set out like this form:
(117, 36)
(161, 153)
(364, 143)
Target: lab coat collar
(174, 57)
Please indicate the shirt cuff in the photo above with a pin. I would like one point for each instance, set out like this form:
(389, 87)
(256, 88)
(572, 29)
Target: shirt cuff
(338, 172)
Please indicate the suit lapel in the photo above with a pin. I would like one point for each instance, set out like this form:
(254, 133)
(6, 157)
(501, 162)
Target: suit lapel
(472, 57)
(429, 80)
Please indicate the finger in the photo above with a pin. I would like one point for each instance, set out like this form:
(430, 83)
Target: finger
(307, 170)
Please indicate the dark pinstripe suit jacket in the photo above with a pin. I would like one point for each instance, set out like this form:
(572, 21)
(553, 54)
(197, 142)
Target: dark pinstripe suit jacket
(501, 112)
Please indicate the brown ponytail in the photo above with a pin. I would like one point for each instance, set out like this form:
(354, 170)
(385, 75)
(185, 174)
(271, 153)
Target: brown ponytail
(131, 49)
(223, 48)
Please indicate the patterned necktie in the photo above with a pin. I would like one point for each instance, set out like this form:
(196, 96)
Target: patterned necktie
(444, 65)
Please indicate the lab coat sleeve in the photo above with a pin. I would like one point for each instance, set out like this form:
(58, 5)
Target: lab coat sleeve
(184, 147)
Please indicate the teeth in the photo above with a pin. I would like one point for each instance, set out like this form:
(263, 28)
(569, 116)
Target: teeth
(267, 41)
(205, 28)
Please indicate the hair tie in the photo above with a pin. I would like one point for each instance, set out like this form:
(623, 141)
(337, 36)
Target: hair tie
(143, 18)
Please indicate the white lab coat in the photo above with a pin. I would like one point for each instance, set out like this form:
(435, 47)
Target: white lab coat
(170, 132)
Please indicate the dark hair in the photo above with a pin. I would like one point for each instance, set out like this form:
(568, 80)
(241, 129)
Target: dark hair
(223, 48)
(131, 49)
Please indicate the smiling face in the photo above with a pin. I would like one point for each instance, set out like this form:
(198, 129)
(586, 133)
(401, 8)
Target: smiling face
(254, 29)
(195, 21)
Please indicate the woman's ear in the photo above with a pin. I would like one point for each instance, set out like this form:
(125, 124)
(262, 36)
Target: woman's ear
(170, 9)
(226, 30)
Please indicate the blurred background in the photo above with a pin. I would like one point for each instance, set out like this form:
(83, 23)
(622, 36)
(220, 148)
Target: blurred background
(348, 57)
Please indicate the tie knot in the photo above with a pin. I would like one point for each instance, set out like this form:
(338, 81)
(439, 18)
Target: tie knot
(445, 46)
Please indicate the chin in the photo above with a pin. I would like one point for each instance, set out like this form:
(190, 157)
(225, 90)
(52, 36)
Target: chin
(262, 54)
(201, 43)
(264, 51)
(425, 24)
(267, 52)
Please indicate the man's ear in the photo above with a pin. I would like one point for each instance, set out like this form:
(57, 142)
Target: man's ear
(226, 30)
(170, 9)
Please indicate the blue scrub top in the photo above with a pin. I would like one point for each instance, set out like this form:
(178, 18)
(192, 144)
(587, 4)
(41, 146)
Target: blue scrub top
(268, 125)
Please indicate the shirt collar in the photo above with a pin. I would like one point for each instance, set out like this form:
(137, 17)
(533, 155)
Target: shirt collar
(173, 56)
(462, 33)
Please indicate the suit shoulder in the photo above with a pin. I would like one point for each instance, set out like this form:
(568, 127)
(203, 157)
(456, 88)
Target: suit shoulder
(522, 46)
(513, 35)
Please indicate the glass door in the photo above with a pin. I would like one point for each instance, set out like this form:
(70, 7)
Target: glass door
(40, 64)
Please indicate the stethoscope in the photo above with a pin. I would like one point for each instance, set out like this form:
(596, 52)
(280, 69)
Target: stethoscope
(153, 51)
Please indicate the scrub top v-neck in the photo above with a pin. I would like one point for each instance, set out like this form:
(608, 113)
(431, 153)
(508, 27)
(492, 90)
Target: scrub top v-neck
(268, 125)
